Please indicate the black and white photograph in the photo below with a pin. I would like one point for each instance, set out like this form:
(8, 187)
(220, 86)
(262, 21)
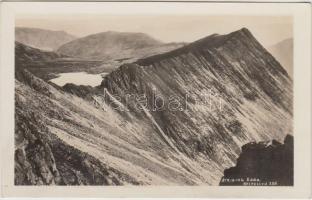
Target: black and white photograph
(137, 99)
(116, 100)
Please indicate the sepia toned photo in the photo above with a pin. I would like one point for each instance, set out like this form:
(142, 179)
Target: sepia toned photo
(155, 99)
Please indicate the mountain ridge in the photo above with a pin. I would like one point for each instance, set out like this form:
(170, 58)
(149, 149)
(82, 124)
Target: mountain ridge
(237, 67)
(212, 41)
(241, 37)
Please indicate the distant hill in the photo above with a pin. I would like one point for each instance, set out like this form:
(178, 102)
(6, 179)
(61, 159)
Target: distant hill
(113, 45)
(41, 38)
(26, 53)
(46, 64)
(33, 59)
(283, 52)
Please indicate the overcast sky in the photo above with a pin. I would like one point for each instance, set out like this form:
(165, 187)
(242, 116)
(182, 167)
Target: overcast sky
(176, 28)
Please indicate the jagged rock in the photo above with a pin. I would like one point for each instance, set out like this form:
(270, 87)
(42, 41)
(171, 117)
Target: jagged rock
(79, 90)
(263, 164)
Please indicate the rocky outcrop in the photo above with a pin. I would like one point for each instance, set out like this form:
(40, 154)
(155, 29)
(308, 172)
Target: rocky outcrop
(82, 91)
(263, 164)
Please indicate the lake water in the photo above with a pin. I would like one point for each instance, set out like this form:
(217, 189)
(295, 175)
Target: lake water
(79, 78)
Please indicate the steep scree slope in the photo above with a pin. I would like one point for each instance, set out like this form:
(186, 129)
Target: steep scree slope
(255, 92)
